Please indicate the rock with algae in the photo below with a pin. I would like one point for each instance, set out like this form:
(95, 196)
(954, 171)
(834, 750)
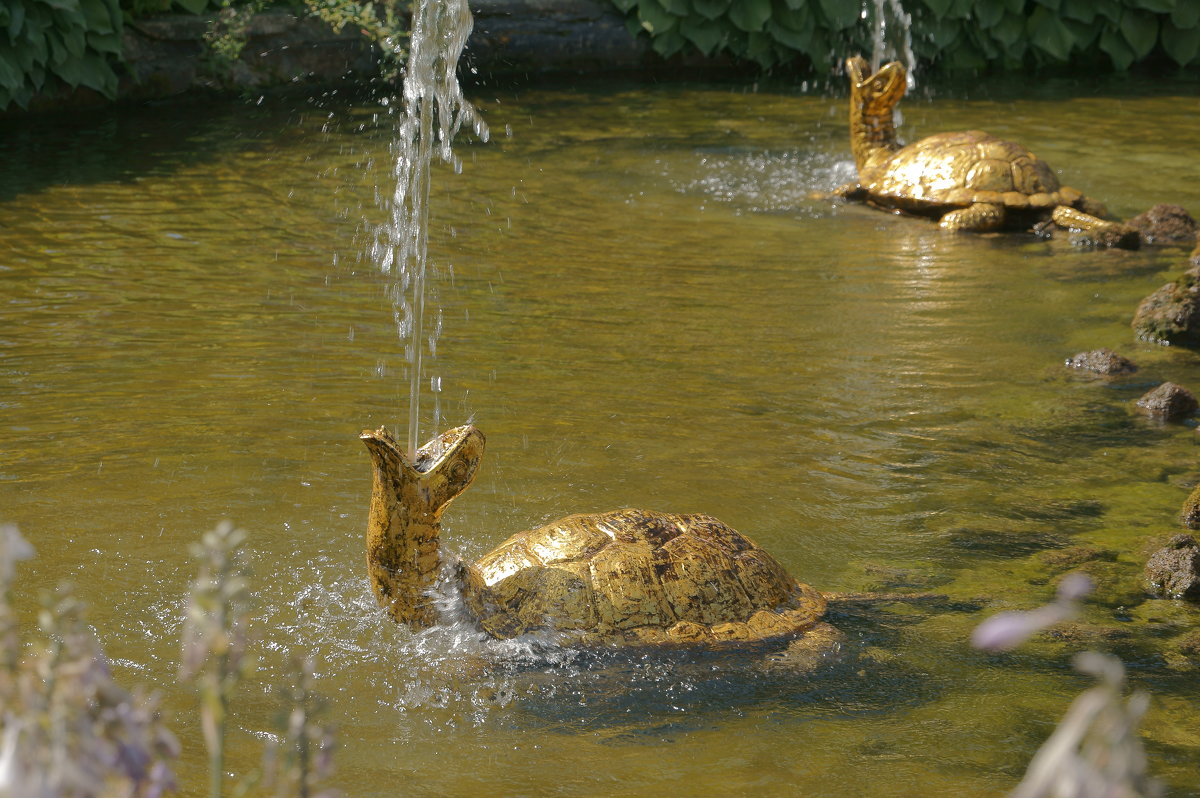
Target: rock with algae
(1102, 361)
(1171, 314)
(1174, 570)
(1190, 515)
(1165, 224)
(1168, 402)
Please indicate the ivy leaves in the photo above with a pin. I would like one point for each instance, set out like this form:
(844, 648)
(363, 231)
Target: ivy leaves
(956, 33)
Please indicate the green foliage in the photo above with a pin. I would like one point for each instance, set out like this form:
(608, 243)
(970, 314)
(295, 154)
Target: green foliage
(953, 34)
(382, 21)
(145, 8)
(76, 42)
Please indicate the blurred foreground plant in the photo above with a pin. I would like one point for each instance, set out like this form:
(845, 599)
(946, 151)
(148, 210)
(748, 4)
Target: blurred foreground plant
(1095, 751)
(304, 754)
(216, 637)
(67, 730)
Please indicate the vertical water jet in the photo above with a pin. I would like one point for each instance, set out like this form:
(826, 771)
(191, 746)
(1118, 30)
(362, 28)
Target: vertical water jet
(886, 46)
(434, 111)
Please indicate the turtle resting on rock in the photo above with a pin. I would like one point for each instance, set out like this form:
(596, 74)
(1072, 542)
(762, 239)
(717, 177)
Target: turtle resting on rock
(628, 577)
(968, 180)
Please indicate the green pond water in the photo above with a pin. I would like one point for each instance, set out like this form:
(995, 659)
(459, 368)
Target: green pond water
(641, 305)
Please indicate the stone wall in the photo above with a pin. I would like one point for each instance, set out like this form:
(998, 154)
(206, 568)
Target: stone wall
(165, 56)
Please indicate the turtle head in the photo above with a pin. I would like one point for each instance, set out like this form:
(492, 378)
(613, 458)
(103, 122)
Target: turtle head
(878, 93)
(408, 496)
(872, 100)
(439, 471)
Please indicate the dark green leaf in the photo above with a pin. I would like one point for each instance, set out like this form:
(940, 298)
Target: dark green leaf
(680, 8)
(14, 23)
(705, 34)
(668, 43)
(70, 19)
(1110, 10)
(820, 50)
(61, 5)
(1015, 54)
(1009, 30)
(710, 9)
(841, 14)
(943, 33)
(37, 78)
(655, 19)
(1186, 15)
(796, 21)
(939, 7)
(1114, 44)
(1158, 6)
(199, 6)
(982, 44)
(1015, 6)
(91, 71)
(1081, 10)
(1053, 5)
(750, 15)
(795, 5)
(760, 48)
(624, 6)
(962, 9)
(963, 57)
(1048, 33)
(35, 51)
(58, 49)
(634, 25)
(801, 41)
(95, 13)
(1083, 35)
(1181, 44)
(11, 77)
(1140, 31)
(105, 42)
(988, 14)
(75, 40)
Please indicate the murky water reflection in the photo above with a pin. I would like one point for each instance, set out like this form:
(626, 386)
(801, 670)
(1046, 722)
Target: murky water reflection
(642, 306)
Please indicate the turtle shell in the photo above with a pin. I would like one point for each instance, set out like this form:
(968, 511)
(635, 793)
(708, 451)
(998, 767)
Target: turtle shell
(639, 578)
(959, 169)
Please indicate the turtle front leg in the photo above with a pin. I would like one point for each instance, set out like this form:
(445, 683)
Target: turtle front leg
(851, 191)
(1096, 231)
(982, 217)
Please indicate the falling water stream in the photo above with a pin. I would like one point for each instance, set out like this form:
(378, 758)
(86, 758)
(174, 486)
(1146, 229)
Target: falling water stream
(891, 36)
(434, 111)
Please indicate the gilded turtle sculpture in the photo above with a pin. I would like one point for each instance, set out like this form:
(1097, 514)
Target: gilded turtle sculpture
(968, 180)
(628, 577)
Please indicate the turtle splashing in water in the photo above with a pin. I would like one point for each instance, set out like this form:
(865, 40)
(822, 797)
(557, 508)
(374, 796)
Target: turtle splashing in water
(623, 578)
(968, 180)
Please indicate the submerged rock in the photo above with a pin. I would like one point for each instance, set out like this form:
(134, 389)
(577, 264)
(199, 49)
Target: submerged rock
(1190, 517)
(1171, 315)
(1102, 361)
(1165, 224)
(1174, 570)
(1075, 556)
(1169, 402)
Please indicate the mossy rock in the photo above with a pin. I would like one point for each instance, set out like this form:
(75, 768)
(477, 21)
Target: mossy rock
(1171, 315)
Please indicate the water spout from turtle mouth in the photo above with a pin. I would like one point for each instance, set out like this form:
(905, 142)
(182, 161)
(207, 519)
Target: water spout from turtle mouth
(428, 456)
